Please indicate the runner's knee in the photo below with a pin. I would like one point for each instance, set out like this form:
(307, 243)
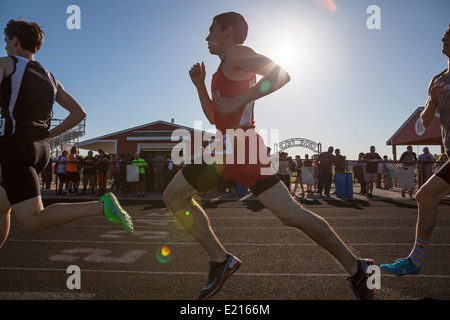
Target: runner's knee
(424, 197)
(178, 190)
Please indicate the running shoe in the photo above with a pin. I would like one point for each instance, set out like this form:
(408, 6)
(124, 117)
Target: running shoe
(114, 212)
(402, 267)
(218, 274)
(358, 282)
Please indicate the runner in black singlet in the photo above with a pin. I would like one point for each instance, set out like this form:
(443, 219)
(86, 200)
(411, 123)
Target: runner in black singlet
(27, 94)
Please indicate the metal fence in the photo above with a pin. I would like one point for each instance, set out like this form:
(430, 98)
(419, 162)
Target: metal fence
(393, 178)
(396, 176)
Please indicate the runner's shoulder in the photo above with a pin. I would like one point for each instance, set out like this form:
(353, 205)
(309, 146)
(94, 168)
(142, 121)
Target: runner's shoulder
(7, 66)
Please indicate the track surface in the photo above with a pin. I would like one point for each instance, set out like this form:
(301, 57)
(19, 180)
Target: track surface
(279, 263)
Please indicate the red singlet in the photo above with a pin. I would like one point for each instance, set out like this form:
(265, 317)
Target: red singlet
(257, 164)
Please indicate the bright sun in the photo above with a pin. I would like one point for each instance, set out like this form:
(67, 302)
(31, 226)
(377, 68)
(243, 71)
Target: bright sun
(290, 47)
(286, 55)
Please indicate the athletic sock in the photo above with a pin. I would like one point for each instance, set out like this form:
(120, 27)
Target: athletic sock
(417, 253)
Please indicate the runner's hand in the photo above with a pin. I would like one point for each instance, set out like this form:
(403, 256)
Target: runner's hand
(198, 73)
(436, 91)
(226, 105)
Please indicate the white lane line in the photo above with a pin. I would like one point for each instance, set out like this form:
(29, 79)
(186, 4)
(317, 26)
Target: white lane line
(254, 274)
(224, 243)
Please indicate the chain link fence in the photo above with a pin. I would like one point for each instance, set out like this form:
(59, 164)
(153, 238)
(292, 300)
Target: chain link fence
(393, 178)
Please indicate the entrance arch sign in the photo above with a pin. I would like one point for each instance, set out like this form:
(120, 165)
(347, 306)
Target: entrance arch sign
(298, 142)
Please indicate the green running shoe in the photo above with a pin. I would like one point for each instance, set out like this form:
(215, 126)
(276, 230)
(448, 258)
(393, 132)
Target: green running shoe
(114, 212)
(402, 267)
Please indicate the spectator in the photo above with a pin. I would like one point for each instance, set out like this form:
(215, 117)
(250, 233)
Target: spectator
(73, 174)
(387, 178)
(122, 173)
(426, 161)
(167, 170)
(47, 176)
(126, 164)
(308, 166)
(406, 172)
(298, 169)
(150, 177)
(141, 165)
(291, 170)
(283, 169)
(325, 162)
(339, 166)
(61, 164)
(89, 165)
(370, 174)
(359, 170)
(102, 166)
(115, 165)
(158, 164)
(316, 175)
(443, 158)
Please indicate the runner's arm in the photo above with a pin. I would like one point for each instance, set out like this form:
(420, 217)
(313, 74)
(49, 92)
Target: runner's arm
(245, 59)
(197, 74)
(76, 111)
(429, 113)
(6, 67)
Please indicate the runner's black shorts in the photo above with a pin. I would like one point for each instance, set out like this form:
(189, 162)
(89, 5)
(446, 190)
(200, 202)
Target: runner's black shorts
(22, 160)
(204, 177)
(444, 172)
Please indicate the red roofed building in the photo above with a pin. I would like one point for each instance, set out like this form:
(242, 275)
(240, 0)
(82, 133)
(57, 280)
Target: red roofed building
(148, 138)
(412, 132)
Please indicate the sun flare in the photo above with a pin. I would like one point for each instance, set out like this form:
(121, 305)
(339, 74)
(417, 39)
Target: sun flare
(289, 46)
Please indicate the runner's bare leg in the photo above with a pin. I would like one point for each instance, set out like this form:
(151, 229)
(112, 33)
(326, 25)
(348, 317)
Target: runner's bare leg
(291, 213)
(178, 197)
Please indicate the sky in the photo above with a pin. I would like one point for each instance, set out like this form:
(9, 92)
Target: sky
(351, 86)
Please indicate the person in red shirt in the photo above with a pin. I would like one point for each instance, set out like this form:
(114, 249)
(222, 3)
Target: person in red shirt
(234, 90)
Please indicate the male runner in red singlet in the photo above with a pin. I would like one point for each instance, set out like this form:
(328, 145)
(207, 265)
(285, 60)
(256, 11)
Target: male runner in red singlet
(234, 90)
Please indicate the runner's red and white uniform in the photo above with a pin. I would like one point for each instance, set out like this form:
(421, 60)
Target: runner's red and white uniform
(246, 172)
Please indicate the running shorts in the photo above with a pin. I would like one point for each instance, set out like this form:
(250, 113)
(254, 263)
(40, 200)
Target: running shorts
(444, 172)
(22, 161)
(243, 158)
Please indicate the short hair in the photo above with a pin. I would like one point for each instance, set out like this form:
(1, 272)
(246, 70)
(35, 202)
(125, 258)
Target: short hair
(236, 21)
(29, 34)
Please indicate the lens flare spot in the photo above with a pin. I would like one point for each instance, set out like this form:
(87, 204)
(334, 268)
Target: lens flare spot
(265, 86)
(163, 254)
(326, 4)
(197, 199)
(165, 251)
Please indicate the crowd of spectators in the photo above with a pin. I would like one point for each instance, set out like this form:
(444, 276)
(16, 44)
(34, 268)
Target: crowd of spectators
(370, 171)
(123, 173)
(138, 173)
